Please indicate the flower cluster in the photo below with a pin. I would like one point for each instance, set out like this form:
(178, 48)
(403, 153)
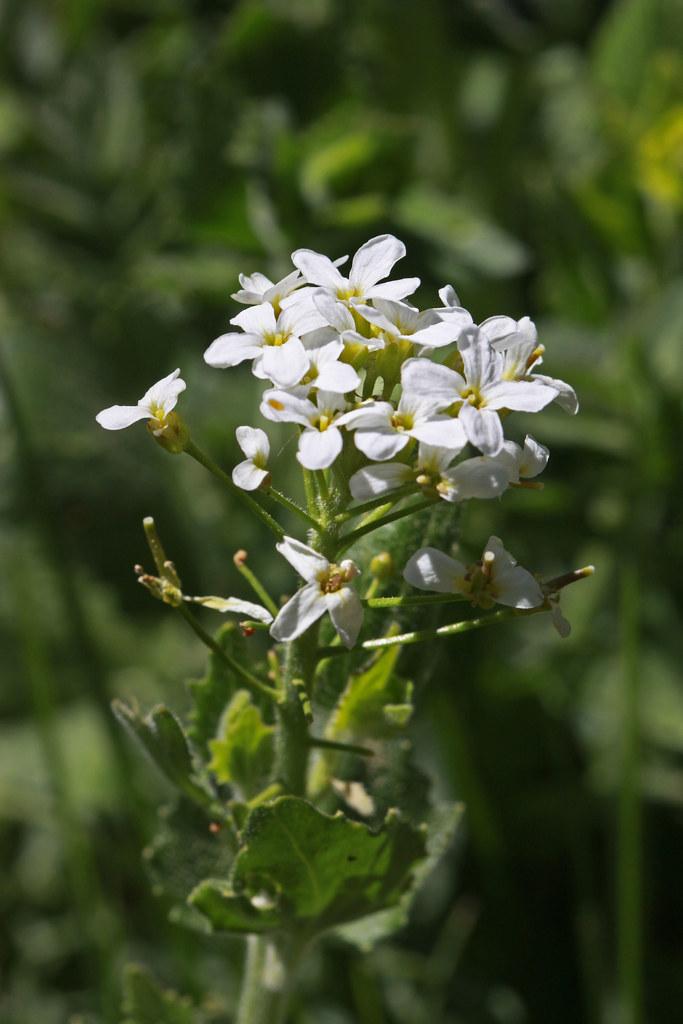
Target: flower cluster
(389, 400)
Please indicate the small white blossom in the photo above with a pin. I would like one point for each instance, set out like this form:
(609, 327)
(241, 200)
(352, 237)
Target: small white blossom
(326, 590)
(325, 370)
(495, 579)
(399, 323)
(480, 389)
(321, 440)
(257, 288)
(251, 473)
(154, 405)
(371, 264)
(381, 431)
(524, 463)
(273, 343)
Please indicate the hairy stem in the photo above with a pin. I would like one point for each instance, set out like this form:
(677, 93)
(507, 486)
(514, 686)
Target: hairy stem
(351, 538)
(266, 984)
(292, 506)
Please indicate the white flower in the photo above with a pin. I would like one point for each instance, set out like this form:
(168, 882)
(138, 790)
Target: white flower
(381, 431)
(326, 590)
(154, 405)
(371, 264)
(517, 340)
(251, 473)
(325, 371)
(524, 463)
(273, 343)
(257, 288)
(480, 477)
(321, 441)
(481, 389)
(496, 579)
(234, 605)
(401, 324)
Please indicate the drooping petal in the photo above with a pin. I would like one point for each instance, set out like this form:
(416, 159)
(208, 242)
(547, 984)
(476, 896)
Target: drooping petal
(307, 562)
(372, 481)
(374, 261)
(258, 320)
(300, 612)
(533, 458)
(517, 588)
(117, 417)
(236, 606)
(565, 397)
(285, 364)
(253, 441)
(483, 428)
(520, 395)
(346, 613)
(247, 476)
(318, 269)
(479, 477)
(232, 349)
(319, 448)
(430, 569)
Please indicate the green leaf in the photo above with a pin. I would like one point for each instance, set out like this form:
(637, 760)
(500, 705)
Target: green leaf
(244, 749)
(145, 1002)
(624, 45)
(211, 694)
(164, 740)
(303, 870)
(376, 703)
(370, 930)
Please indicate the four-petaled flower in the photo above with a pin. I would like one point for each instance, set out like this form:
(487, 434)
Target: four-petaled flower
(155, 405)
(326, 589)
(381, 431)
(321, 441)
(495, 579)
(371, 264)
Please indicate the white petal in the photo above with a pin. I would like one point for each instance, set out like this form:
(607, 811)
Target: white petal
(372, 481)
(370, 415)
(374, 261)
(498, 329)
(232, 349)
(565, 397)
(561, 624)
(247, 476)
(443, 333)
(319, 448)
(318, 269)
(338, 377)
(380, 445)
(333, 312)
(395, 290)
(533, 459)
(483, 428)
(300, 318)
(434, 458)
(517, 588)
(165, 392)
(253, 441)
(285, 364)
(430, 569)
(258, 320)
(441, 433)
(284, 407)
(235, 605)
(346, 613)
(116, 417)
(448, 296)
(520, 395)
(482, 364)
(300, 612)
(480, 477)
(307, 562)
(423, 377)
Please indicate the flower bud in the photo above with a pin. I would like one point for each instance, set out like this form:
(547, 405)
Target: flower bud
(382, 566)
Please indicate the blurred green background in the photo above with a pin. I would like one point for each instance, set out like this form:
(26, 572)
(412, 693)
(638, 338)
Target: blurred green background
(530, 153)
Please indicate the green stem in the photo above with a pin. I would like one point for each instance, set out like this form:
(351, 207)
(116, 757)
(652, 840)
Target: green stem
(254, 582)
(422, 635)
(292, 506)
(265, 986)
(292, 735)
(410, 600)
(629, 843)
(390, 498)
(376, 524)
(347, 748)
(205, 460)
(214, 646)
(311, 492)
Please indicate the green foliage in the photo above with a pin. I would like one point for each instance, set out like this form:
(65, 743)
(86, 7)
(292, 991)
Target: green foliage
(164, 740)
(212, 693)
(376, 703)
(145, 1002)
(305, 871)
(243, 750)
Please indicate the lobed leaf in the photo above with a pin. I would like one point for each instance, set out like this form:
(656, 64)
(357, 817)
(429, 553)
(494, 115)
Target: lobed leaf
(244, 749)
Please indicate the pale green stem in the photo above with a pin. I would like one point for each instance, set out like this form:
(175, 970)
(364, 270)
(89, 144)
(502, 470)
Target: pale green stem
(410, 600)
(389, 498)
(255, 583)
(265, 985)
(205, 460)
(292, 506)
(351, 538)
(213, 645)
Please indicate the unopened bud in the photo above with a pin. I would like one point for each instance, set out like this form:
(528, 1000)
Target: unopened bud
(240, 557)
(382, 565)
